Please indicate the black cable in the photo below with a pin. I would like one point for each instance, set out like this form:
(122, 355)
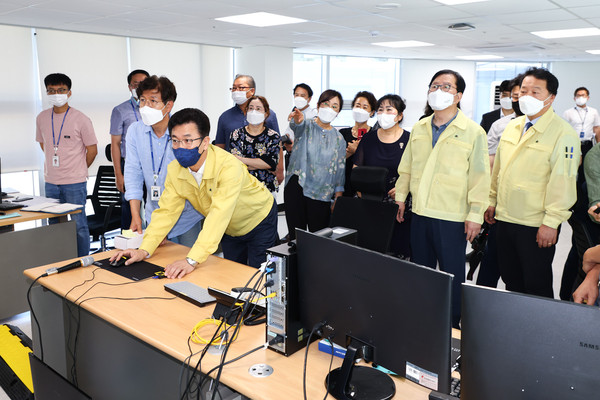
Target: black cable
(34, 317)
(317, 326)
(330, 364)
(237, 328)
(78, 319)
(205, 349)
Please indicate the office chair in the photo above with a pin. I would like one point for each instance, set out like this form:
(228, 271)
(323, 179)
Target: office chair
(106, 200)
(585, 235)
(369, 215)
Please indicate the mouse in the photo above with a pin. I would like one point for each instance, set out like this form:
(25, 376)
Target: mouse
(119, 262)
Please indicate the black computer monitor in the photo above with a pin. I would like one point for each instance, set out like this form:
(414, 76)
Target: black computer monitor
(517, 346)
(393, 312)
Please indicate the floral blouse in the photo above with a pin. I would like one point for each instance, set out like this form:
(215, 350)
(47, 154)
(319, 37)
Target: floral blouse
(319, 159)
(264, 146)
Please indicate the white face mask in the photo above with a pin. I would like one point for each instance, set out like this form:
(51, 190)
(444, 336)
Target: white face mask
(255, 117)
(360, 115)
(386, 121)
(440, 100)
(506, 103)
(239, 97)
(529, 105)
(58, 100)
(580, 101)
(300, 102)
(326, 114)
(134, 94)
(151, 116)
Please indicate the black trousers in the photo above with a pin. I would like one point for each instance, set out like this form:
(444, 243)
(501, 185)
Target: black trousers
(302, 212)
(524, 267)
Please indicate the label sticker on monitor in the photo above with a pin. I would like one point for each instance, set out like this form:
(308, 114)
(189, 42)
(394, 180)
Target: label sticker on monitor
(421, 376)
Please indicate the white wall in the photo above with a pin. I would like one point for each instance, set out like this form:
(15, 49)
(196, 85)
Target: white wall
(216, 79)
(572, 75)
(414, 79)
(272, 69)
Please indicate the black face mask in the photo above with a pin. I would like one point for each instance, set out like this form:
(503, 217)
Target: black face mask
(516, 109)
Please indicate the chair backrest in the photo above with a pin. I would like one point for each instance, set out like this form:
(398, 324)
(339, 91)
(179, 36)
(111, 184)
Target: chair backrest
(107, 152)
(582, 237)
(371, 182)
(105, 192)
(373, 220)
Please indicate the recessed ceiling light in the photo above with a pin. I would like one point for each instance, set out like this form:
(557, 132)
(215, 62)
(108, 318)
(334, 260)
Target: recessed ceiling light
(461, 26)
(403, 43)
(480, 57)
(567, 33)
(387, 6)
(456, 2)
(261, 19)
(593, 51)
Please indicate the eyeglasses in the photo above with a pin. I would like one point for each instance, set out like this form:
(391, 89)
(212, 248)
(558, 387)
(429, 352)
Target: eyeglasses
(186, 142)
(55, 91)
(334, 107)
(445, 87)
(239, 88)
(151, 102)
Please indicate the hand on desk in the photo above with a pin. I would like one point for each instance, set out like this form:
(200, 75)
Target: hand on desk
(178, 269)
(134, 255)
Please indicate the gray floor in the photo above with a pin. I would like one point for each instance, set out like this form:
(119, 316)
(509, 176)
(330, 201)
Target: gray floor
(23, 320)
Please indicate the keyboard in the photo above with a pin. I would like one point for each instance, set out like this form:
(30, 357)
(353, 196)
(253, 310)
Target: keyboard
(7, 205)
(454, 392)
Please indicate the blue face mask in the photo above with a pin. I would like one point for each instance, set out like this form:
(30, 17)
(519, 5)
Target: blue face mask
(187, 157)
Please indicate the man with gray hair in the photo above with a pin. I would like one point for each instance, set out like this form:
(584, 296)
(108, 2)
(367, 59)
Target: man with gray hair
(243, 88)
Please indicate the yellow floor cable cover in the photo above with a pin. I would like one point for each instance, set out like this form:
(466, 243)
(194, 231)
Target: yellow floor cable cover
(16, 354)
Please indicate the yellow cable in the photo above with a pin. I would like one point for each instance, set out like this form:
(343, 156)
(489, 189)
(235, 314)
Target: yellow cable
(196, 338)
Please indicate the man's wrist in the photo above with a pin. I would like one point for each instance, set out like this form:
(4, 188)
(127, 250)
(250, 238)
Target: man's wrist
(191, 261)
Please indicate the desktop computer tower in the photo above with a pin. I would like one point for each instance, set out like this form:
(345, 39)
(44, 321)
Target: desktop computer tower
(283, 313)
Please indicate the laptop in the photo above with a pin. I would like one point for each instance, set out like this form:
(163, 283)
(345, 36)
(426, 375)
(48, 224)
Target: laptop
(50, 385)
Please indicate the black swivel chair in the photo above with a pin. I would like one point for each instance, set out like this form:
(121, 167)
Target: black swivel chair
(585, 235)
(106, 200)
(369, 215)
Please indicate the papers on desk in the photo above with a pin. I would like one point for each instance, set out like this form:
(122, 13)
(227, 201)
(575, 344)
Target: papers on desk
(53, 208)
(11, 215)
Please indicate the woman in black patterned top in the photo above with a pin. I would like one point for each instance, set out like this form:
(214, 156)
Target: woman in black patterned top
(256, 145)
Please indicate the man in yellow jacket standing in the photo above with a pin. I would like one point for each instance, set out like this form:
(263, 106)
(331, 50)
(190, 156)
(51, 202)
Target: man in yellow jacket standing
(446, 169)
(533, 186)
(239, 211)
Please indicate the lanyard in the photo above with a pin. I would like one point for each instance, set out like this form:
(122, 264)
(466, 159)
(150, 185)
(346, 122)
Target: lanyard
(154, 172)
(133, 108)
(582, 119)
(54, 143)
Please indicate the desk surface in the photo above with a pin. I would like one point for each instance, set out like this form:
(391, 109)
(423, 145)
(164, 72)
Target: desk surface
(31, 216)
(166, 325)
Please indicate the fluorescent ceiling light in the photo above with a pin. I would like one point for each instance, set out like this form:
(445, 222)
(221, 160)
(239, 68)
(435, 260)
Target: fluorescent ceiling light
(480, 57)
(593, 51)
(261, 19)
(403, 43)
(567, 33)
(455, 2)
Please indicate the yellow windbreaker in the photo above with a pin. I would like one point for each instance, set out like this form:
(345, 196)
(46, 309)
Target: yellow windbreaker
(232, 201)
(534, 176)
(450, 181)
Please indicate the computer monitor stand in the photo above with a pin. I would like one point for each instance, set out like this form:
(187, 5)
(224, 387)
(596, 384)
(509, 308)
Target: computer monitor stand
(352, 382)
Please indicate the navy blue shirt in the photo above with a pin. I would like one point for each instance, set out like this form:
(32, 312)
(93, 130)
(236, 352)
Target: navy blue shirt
(437, 131)
(233, 119)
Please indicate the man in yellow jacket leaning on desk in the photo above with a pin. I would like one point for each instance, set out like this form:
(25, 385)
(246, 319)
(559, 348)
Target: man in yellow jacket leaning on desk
(239, 211)
(446, 168)
(533, 186)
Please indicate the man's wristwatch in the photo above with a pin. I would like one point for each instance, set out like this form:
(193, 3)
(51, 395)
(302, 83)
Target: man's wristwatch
(190, 261)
